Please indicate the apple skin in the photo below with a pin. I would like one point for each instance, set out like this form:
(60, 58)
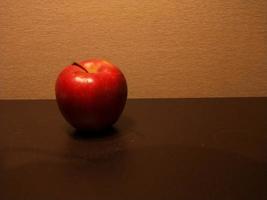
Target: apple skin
(91, 94)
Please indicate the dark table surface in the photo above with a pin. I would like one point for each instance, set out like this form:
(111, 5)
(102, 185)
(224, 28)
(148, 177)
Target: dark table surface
(159, 149)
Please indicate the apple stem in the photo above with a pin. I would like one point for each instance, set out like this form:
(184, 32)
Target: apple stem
(78, 65)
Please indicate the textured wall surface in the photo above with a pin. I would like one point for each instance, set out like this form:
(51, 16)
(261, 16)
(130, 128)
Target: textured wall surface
(166, 48)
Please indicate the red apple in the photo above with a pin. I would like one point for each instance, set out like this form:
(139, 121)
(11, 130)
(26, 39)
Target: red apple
(91, 94)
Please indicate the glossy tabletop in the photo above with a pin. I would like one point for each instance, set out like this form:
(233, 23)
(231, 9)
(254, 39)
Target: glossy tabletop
(159, 149)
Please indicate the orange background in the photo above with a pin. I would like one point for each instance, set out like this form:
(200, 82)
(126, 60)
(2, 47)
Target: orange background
(187, 48)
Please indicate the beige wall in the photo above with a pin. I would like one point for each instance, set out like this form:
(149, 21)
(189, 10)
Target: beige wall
(166, 48)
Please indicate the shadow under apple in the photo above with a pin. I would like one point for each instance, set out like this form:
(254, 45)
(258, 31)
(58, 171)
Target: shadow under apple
(122, 127)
